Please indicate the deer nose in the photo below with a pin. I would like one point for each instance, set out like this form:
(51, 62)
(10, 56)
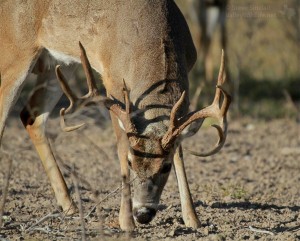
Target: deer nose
(144, 215)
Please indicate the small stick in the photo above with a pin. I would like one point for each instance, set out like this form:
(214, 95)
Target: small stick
(75, 182)
(47, 230)
(260, 230)
(5, 190)
(106, 197)
(43, 219)
(102, 200)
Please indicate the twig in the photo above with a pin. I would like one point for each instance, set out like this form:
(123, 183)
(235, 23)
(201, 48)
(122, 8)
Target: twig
(5, 189)
(102, 200)
(75, 182)
(43, 219)
(47, 230)
(119, 188)
(65, 168)
(260, 230)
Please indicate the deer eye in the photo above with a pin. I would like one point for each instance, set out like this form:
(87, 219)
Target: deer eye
(166, 168)
(129, 160)
(129, 163)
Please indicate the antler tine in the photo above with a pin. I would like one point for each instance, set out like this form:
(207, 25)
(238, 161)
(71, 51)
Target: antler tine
(220, 115)
(126, 98)
(72, 98)
(130, 128)
(226, 101)
(123, 114)
(91, 83)
(173, 120)
(214, 111)
(173, 129)
(217, 147)
(65, 88)
(63, 124)
(221, 78)
(221, 128)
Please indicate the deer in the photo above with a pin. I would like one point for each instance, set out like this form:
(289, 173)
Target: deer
(211, 14)
(144, 52)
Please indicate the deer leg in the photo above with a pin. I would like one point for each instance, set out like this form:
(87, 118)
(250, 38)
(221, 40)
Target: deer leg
(188, 211)
(125, 216)
(12, 76)
(34, 117)
(208, 65)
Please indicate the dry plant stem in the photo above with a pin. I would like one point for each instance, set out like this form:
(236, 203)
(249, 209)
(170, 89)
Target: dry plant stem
(102, 200)
(75, 182)
(48, 231)
(43, 219)
(114, 192)
(260, 230)
(5, 189)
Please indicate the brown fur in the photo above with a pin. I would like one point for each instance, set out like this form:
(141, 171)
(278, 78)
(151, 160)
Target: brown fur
(146, 43)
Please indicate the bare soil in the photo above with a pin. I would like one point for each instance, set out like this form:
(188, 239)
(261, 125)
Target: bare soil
(248, 191)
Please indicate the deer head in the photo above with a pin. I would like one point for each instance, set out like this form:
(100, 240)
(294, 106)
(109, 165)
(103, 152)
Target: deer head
(150, 151)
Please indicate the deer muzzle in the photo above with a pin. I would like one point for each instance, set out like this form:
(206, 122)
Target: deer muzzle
(144, 215)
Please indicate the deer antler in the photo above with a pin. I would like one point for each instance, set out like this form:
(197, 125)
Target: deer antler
(124, 115)
(214, 111)
(74, 100)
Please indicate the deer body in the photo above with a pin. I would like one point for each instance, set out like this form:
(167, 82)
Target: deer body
(211, 13)
(145, 43)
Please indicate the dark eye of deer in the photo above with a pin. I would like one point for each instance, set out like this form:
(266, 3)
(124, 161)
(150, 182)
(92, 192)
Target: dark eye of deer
(129, 164)
(166, 168)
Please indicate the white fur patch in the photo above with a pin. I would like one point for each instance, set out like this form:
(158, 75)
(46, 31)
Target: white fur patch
(137, 205)
(121, 125)
(67, 59)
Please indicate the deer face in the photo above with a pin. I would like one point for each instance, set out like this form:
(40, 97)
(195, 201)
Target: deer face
(150, 166)
(150, 151)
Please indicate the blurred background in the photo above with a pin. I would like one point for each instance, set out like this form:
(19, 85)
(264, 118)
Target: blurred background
(261, 39)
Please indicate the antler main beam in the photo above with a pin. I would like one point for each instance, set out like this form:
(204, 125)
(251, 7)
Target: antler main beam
(75, 101)
(214, 111)
(122, 114)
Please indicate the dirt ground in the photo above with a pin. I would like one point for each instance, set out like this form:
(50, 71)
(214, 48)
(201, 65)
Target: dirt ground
(248, 191)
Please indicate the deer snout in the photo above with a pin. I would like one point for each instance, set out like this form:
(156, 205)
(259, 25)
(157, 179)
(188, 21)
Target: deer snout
(144, 215)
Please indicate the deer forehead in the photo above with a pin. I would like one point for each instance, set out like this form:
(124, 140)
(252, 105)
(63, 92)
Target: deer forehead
(147, 156)
(148, 147)
(146, 167)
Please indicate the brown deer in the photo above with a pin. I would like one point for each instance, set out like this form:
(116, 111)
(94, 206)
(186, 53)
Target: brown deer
(144, 51)
(211, 13)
